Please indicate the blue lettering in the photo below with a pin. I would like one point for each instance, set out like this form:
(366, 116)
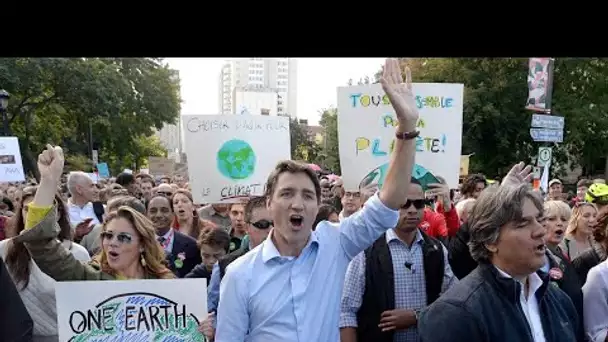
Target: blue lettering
(419, 144)
(376, 149)
(355, 97)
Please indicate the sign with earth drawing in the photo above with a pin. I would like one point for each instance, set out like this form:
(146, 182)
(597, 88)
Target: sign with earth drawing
(231, 156)
(131, 310)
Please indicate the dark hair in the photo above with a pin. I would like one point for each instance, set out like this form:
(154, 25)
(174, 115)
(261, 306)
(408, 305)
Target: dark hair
(470, 183)
(125, 179)
(17, 256)
(8, 203)
(292, 167)
(254, 203)
(215, 238)
(584, 182)
(324, 213)
(147, 179)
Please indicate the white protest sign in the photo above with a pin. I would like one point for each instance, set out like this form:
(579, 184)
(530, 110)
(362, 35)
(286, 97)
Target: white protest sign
(231, 156)
(366, 132)
(11, 167)
(544, 156)
(131, 310)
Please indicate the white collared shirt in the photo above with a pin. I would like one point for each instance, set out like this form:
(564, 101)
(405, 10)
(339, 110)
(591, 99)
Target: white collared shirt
(530, 305)
(79, 214)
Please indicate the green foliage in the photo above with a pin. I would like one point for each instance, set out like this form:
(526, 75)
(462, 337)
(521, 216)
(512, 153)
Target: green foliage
(496, 125)
(329, 155)
(303, 146)
(54, 100)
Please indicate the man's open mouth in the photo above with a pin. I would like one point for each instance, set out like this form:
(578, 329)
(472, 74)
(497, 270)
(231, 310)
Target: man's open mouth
(296, 220)
(559, 231)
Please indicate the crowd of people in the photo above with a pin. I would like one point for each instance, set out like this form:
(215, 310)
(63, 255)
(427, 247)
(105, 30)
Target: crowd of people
(313, 260)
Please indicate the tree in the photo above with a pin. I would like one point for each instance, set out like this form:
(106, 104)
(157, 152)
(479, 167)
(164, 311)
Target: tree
(329, 155)
(496, 124)
(58, 100)
(303, 147)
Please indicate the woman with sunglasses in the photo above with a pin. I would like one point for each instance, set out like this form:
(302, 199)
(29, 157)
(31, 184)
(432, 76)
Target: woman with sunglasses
(129, 246)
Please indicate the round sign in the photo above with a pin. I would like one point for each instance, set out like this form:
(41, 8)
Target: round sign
(544, 156)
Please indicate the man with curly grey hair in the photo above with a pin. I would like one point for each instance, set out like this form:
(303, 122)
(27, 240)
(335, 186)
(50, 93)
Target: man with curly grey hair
(504, 299)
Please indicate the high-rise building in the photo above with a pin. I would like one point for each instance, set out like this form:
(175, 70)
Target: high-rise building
(170, 136)
(258, 76)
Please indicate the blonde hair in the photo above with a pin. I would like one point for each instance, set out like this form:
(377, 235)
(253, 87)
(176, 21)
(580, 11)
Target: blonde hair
(577, 212)
(153, 254)
(557, 209)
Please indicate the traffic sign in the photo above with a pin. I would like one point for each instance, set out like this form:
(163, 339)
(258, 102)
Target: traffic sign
(548, 121)
(544, 156)
(547, 135)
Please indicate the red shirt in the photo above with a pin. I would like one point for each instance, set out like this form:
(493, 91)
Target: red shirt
(440, 224)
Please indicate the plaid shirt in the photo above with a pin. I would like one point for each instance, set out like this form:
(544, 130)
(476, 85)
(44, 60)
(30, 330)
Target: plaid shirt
(409, 283)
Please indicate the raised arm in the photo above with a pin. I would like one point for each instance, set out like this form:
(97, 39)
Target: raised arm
(380, 212)
(40, 233)
(399, 174)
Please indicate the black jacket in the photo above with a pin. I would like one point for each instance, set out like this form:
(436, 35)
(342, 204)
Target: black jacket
(379, 294)
(15, 322)
(459, 255)
(569, 283)
(187, 245)
(484, 307)
(587, 260)
(200, 271)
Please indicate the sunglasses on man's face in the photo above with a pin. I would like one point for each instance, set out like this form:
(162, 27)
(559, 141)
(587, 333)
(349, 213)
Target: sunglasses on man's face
(418, 204)
(120, 237)
(165, 193)
(262, 224)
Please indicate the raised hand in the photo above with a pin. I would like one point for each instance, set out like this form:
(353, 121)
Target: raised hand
(50, 162)
(400, 94)
(519, 174)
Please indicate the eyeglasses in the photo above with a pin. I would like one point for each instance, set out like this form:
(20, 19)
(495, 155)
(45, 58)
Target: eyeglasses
(166, 193)
(261, 224)
(418, 204)
(120, 237)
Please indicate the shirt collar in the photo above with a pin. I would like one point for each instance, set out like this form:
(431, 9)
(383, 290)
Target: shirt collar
(534, 280)
(391, 235)
(168, 233)
(71, 204)
(270, 251)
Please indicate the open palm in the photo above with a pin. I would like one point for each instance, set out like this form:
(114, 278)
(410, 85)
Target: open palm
(399, 93)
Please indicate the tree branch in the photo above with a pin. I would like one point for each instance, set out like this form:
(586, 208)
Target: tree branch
(31, 106)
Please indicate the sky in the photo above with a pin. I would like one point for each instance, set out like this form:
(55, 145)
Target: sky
(318, 79)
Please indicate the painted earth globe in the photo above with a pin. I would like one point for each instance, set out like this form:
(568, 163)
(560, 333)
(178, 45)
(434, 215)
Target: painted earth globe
(236, 159)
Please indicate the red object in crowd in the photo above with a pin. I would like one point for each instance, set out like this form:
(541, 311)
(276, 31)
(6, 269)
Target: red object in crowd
(440, 224)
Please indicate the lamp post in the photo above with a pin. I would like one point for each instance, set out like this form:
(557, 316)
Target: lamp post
(4, 96)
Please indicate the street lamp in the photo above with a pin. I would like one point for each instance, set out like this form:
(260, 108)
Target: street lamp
(4, 96)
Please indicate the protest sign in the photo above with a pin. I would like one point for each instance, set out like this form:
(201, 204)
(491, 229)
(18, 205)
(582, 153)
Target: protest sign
(366, 133)
(131, 310)
(11, 167)
(231, 157)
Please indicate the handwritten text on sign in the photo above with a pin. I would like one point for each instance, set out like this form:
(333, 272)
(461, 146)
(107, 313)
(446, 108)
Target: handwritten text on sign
(135, 310)
(366, 129)
(11, 167)
(230, 157)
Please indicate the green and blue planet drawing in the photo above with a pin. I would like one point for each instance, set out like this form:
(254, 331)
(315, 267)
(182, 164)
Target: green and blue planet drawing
(236, 159)
(377, 176)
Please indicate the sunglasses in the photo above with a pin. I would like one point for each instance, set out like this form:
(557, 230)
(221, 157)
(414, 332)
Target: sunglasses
(261, 224)
(168, 194)
(120, 237)
(418, 204)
